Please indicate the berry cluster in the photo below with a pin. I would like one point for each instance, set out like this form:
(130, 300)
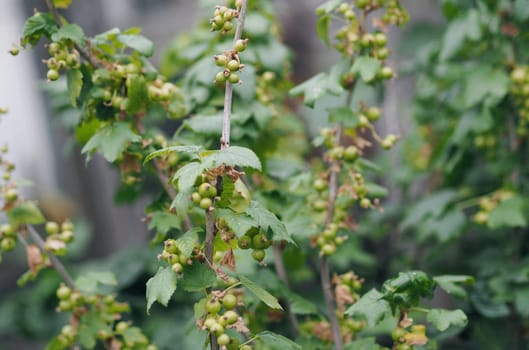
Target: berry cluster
(221, 314)
(58, 236)
(406, 336)
(231, 63)
(488, 203)
(223, 19)
(63, 56)
(177, 258)
(109, 309)
(520, 90)
(328, 240)
(257, 240)
(8, 238)
(205, 195)
(262, 90)
(347, 287)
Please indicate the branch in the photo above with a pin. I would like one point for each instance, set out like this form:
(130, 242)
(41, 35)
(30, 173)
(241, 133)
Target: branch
(56, 264)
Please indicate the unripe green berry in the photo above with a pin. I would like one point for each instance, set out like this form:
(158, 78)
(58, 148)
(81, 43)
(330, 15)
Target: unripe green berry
(213, 306)
(233, 78)
(196, 197)
(52, 228)
(177, 268)
(351, 153)
(240, 45)
(205, 203)
(320, 185)
(373, 113)
(227, 26)
(258, 254)
(11, 195)
(207, 190)
(328, 249)
(229, 301)
(52, 75)
(220, 77)
(63, 292)
(380, 39)
(233, 65)
(223, 339)
(217, 329)
(7, 244)
(122, 326)
(245, 242)
(221, 60)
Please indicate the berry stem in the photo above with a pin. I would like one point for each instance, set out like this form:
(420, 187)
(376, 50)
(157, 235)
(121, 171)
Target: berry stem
(55, 262)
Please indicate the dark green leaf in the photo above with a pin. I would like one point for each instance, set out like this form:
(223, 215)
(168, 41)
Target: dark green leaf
(198, 277)
(25, 213)
(91, 323)
(444, 319)
(136, 93)
(161, 287)
(70, 32)
(194, 150)
(233, 156)
(322, 28)
(374, 190)
(363, 344)
(372, 307)
(316, 87)
(187, 175)
(450, 284)
(138, 42)
(267, 220)
(277, 342)
(511, 212)
(344, 115)
(163, 222)
(37, 25)
(260, 293)
(482, 82)
(521, 301)
(74, 79)
(187, 242)
(240, 223)
(367, 67)
(113, 140)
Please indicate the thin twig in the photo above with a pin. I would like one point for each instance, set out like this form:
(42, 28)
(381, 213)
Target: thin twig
(228, 95)
(283, 277)
(57, 265)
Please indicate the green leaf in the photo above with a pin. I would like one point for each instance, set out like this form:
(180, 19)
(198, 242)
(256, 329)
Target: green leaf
(405, 290)
(521, 10)
(37, 25)
(134, 335)
(137, 93)
(458, 32)
(316, 87)
(363, 344)
(90, 281)
(187, 242)
(327, 7)
(444, 319)
(367, 67)
(322, 28)
(198, 277)
(181, 202)
(509, 213)
(25, 213)
(164, 221)
(300, 305)
(113, 140)
(344, 115)
(55, 344)
(62, 4)
(91, 323)
(138, 42)
(194, 150)
(240, 223)
(74, 79)
(450, 284)
(372, 307)
(374, 190)
(521, 301)
(69, 32)
(233, 156)
(267, 220)
(161, 287)
(187, 175)
(482, 82)
(260, 293)
(277, 342)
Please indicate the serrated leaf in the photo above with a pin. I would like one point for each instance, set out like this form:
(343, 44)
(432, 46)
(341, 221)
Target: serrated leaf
(37, 25)
(187, 175)
(194, 150)
(509, 213)
(484, 81)
(198, 277)
(277, 342)
(90, 281)
(444, 319)
(344, 115)
(62, 4)
(164, 221)
(161, 287)
(267, 220)
(367, 67)
(233, 156)
(450, 284)
(372, 307)
(74, 80)
(25, 213)
(90, 324)
(181, 202)
(134, 335)
(136, 93)
(137, 42)
(187, 242)
(260, 293)
(69, 32)
(316, 87)
(240, 223)
(112, 140)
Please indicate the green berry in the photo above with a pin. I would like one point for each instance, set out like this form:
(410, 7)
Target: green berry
(351, 153)
(63, 292)
(196, 197)
(373, 113)
(205, 203)
(223, 339)
(221, 60)
(52, 228)
(258, 254)
(240, 45)
(386, 72)
(177, 268)
(380, 39)
(7, 230)
(7, 244)
(122, 326)
(229, 301)
(320, 185)
(398, 333)
(217, 329)
(11, 195)
(227, 26)
(260, 241)
(220, 77)
(213, 306)
(233, 78)
(245, 242)
(233, 65)
(207, 190)
(328, 249)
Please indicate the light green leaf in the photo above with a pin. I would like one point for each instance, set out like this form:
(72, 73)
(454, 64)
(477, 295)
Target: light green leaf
(187, 242)
(164, 221)
(74, 79)
(194, 150)
(316, 87)
(198, 277)
(70, 32)
(458, 32)
(322, 28)
(134, 335)
(327, 7)
(205, 124)
(363, 344)
(367, 67)
(233, 156)
(138, 42)
(277, 342)
(37, 25)
(482, 82)
(113, 140)
(161, 287)
(25, 213)
(451, 284)
(240, 223)
(372, 307)
(136, 93)
(62, 4)
(444, 319)
(344, 115)
(374, 190)
(509, 213)
(267, 220)
(91, 323)
(260, 293)
(521, 301)
(90, 281)
(182, 202)
(187, 175)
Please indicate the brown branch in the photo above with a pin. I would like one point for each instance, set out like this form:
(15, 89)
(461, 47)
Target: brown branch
(56, 264)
